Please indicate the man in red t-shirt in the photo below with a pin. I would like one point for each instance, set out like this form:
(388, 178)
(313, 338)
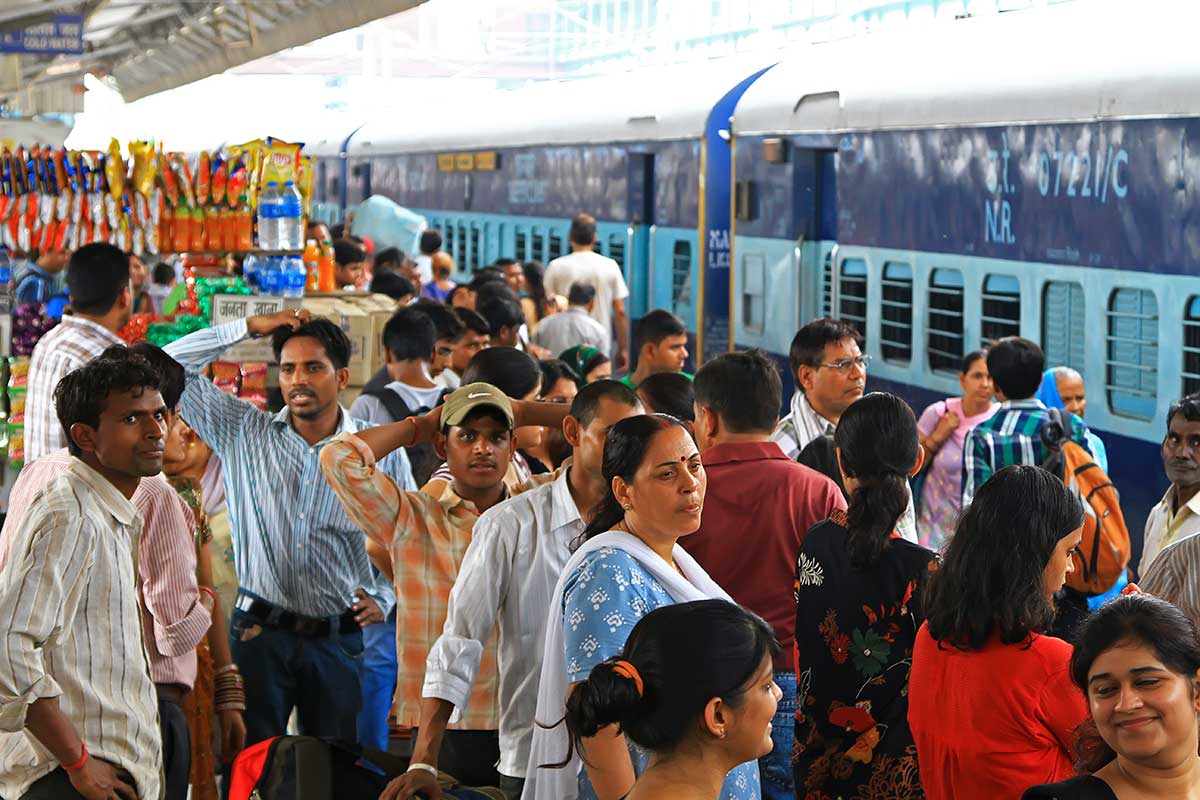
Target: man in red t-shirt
(758, 507)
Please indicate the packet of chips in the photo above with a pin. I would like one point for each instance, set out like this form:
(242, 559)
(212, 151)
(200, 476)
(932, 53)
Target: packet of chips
(114, 169)
(144, 167)
(279, 164)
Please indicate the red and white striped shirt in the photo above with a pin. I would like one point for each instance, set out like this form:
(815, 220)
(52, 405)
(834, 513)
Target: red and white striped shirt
(173, 620)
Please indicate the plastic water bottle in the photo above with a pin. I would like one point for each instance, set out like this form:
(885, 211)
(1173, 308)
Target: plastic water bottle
(295, 276)
(270, 280)
(251, 271)
(291, 219)
(7, 301)
(268, 217)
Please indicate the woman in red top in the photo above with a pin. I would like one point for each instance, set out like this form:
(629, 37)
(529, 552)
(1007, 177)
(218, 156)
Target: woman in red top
(991, 703)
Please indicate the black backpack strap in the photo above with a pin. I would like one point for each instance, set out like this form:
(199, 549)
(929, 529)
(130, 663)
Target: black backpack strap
(393, 402)
(1056, 429)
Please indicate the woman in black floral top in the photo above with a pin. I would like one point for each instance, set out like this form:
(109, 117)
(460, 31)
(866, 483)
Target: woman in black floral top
(858, 586)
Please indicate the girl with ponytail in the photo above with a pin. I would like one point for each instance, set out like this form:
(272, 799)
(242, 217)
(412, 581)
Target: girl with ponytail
(858, 590)
(693, 686)
(628, 564)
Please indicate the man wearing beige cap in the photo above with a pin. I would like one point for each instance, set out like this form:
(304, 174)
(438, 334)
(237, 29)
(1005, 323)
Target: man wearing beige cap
(427, 536)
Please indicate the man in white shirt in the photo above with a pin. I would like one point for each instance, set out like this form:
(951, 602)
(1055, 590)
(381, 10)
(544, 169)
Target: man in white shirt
(431, 242)
(584, 265)
(507, 577)
(575, 326)
(1177, 515)
(78, 709)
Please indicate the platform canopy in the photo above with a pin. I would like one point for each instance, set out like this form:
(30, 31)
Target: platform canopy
(148, 46)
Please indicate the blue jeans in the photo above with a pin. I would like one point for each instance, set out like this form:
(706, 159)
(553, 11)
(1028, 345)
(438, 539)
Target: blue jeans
(316, 675)
(378, 682)
(775, 768)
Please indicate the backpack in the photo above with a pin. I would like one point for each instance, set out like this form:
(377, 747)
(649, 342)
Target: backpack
(1104, 552)
(421, 457)
(308, 768)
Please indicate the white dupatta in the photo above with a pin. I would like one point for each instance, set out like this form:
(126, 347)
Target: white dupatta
(550, 744)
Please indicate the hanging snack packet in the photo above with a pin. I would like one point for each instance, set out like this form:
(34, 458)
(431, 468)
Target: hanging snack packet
(220, 178)
(144, 167)
(203, 178)
(114, 169)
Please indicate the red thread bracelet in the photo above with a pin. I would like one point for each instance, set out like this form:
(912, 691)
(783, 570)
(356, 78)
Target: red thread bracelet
(78, 765)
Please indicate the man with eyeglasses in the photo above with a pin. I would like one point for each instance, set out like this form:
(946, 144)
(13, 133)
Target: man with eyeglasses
(830, 372)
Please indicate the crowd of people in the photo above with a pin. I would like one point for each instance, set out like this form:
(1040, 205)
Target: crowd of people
(535, 554)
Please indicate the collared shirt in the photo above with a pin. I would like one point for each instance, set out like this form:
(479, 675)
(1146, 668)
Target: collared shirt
(293, 544)
(518, 550)
(1165, 526)
(68, 346)
(1011, 436)
(797, 430)
(173, 620)
(758, 507)
(559, 332)
(427, 537)
(1172, 574)
(69, 628)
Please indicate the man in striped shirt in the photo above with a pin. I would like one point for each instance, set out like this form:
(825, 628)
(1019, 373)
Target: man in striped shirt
(306, 586)
(1013, 434)
(101, 303)
(77, 704)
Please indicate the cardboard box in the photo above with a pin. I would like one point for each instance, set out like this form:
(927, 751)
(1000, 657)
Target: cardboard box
(356, 322)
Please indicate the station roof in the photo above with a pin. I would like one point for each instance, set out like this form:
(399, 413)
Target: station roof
(1072, 62)
(152, 45)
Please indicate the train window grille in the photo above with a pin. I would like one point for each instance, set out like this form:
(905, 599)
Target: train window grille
(897, 287)
(616, 250)
(1001, 308)
(1191, 346)
(1132, 364)
(945, 320)
(556, 246)
(754, 281)
(1063, 324)
(461, 254)
(476, 259)
(521, 248)
(537, 248)
(827, 285)
(681, 273)
(852, 294)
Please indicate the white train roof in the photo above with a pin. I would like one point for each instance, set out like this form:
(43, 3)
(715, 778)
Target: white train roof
(642, 105)
(1075, 61)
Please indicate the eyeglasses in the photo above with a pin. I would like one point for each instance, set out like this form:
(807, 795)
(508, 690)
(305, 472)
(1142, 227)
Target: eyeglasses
(845, 364)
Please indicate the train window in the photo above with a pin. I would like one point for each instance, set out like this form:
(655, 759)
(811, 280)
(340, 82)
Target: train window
(461, 255)
(1062, 324)
(827, 286)
(537, 248)
(1132, 366)
(521, 249)
(1191, 346)
(681, 272)
(754, 282)
(852, 294)
(897, 312)
(475, 256)
(598, 246)
(616, 249)
(945, 320)
(556, 246)
(1001, 308)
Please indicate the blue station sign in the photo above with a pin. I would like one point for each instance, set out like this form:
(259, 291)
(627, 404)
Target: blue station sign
(61, 35)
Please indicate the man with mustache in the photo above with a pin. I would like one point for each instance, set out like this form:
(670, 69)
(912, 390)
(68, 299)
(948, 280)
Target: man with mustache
(427, 536)
(1171, 552)
(77, 703)
(306, 586)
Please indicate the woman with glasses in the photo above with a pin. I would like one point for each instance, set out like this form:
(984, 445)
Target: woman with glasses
(559, 385)
(944, 426)
(990, 699)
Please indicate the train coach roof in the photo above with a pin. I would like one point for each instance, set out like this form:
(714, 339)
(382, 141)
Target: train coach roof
(1071, 62)
(644, 105)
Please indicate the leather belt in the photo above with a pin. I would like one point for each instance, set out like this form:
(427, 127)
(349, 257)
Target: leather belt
(273, 616)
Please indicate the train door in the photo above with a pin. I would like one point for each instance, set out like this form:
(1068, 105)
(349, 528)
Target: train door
(639, 254)
(815, 250)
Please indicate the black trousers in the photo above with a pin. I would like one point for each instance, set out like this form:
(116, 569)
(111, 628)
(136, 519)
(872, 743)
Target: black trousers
(470, 756)
(55, 786)
(176, 746)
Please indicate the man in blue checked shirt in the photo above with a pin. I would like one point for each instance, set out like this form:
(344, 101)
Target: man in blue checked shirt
(306, 585)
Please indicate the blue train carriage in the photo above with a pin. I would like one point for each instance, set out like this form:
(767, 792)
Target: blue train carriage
(940, 194)
(646, 153)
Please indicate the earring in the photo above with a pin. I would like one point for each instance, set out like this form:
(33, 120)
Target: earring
(721, 735)
(628, 506)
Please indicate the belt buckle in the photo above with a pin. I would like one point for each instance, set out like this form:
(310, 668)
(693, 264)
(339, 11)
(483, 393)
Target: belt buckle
(307, 626)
